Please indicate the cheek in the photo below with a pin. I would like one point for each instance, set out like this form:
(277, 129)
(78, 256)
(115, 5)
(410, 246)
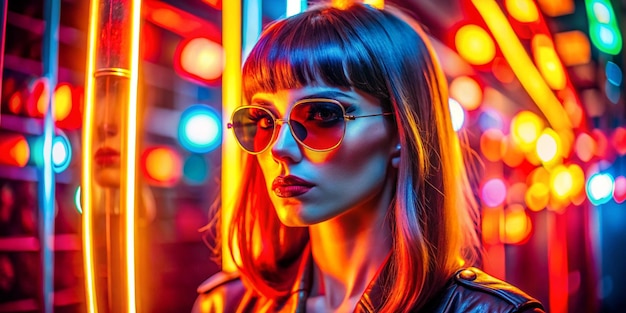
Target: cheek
(360, 163)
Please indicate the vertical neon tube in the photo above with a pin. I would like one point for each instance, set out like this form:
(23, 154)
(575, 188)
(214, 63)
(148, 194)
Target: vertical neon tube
(109, 156)
(52, 12)
(87, 168)
(231, 98)
(131, 156)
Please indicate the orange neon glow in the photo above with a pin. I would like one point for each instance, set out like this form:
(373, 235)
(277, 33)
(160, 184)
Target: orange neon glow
(561, 182)
(548, 62)
(231, 97)
(491, 144)
(565, 143)
(578, 182)
(15, 103)
(512, 155)
(467, 92)
(524, 11)
(573, 108)
(62, 101)
(521, 64)
(38, 99)
(87, 164)
(180, 22)
(517, 225)
(557, 7)
(200, 58)
(172, 20)
(538, 175)
(525, 129)
(537, 196)
(573, 47)
(490, 225)
(341, 3)
(163, 165)
(492, 222)
(474, 44)
(502, 71)
(216, 4)
(15, 150)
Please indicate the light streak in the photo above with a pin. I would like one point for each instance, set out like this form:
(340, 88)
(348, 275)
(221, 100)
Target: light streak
(231, 95)
(87, 167)
(522, 65)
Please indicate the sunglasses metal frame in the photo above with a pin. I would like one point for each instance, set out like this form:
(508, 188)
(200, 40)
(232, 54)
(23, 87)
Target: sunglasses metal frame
(287, 121)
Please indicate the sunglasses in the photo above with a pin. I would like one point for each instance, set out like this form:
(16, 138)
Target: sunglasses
(317, 124)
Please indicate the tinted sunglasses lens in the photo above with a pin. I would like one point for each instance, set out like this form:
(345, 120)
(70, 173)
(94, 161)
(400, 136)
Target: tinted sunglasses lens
(319, 125)
(253, 128)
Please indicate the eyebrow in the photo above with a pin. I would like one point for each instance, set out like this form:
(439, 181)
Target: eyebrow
(328, 94)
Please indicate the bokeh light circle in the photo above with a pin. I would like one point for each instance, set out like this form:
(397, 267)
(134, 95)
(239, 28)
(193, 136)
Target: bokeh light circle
(199, 129)
(493, 192)
(600, 188)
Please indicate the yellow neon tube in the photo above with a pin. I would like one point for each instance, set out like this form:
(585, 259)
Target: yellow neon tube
(87, 168)
(231, 94)
(120, 276)
(522, 65)
(131, 146)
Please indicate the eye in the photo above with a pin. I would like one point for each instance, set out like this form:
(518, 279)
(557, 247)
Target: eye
(324, 112)
(261, 118)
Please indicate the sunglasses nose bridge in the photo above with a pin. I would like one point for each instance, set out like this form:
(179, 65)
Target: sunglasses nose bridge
(281, 140)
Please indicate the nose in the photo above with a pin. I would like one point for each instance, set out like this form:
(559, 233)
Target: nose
(285, 148)
(107, 130)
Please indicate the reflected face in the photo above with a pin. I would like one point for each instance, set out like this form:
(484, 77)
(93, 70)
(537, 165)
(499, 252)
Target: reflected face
(107, 134)
(308, 187)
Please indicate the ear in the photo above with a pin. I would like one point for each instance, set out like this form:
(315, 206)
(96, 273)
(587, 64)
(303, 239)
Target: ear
(395, 156)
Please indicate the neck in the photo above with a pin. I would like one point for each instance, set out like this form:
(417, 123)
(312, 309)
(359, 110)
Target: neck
(348, 252)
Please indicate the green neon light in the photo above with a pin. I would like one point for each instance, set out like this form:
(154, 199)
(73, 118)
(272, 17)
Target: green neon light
(603, 30)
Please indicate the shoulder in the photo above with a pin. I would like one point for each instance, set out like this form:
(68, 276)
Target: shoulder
(472, 290)
(221, 292)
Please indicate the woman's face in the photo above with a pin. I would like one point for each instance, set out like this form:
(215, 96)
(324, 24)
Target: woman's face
(308, 187)
(107, 137)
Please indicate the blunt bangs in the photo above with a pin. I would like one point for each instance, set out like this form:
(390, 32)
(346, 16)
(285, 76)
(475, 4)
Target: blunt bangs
(312, 48)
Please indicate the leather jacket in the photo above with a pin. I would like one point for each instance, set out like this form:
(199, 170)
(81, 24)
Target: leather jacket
(470, 290)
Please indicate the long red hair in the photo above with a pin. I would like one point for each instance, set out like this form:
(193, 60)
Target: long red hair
(433, 218)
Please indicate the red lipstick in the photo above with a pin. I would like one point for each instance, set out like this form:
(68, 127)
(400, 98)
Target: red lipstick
(290, 186)
(107, 156)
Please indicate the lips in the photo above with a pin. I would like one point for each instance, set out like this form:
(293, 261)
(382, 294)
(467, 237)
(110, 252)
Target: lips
(107, 156)
(290, 186)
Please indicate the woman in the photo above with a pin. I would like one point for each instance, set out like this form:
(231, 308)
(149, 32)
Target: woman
(355, 196)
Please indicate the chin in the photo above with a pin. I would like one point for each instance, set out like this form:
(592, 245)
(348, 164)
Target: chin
(108, 177)
(292, 216)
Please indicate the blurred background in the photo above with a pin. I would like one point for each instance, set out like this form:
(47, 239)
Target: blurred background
(536, 86)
